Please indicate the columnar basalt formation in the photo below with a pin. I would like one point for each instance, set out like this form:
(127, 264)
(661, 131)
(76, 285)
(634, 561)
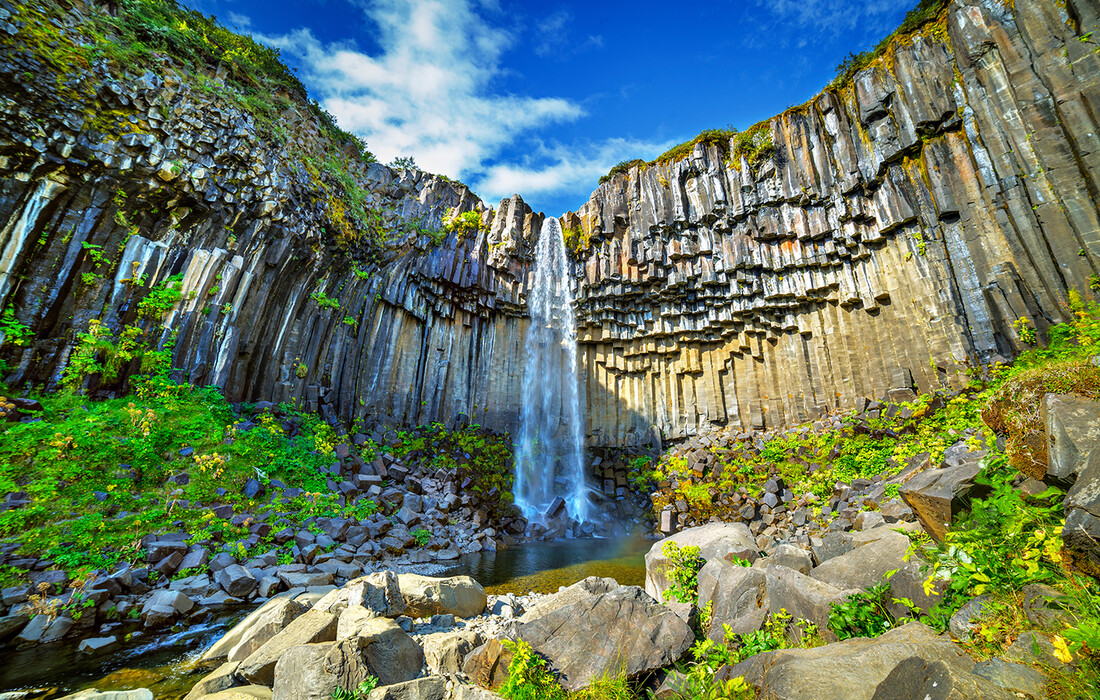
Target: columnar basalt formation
(905, 223)
(112, 183)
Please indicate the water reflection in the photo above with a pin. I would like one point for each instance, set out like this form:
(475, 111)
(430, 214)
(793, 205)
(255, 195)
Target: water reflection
(543, 567)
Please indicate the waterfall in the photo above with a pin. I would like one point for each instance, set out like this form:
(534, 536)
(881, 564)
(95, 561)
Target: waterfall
(550, 449)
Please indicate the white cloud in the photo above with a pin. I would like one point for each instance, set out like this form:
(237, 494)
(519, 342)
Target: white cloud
(872, 17)
(428, 92)
(553, 40)
(557, 170)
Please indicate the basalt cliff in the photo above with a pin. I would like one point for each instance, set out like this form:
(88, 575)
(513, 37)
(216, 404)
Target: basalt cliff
(906, 227)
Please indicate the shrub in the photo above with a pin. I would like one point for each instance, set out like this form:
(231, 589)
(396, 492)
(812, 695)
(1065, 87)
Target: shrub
(710, 137)
(622, 167)
(682, 572)
(528, 676)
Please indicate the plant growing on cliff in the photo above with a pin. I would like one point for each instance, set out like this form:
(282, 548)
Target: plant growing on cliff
(161, 298)
(14, 331)
(682, 572)
(324, 301)
(576, 239)
(464, 224)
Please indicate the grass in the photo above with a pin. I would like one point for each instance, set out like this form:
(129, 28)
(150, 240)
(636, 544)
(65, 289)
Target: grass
(925, 11)
(102, 474)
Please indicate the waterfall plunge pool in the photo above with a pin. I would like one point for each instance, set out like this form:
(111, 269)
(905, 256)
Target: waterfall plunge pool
(166, 663)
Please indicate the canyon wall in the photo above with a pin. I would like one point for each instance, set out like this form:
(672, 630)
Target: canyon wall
(903, 225)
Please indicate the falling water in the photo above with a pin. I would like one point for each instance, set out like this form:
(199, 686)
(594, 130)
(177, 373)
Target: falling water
(550, 449)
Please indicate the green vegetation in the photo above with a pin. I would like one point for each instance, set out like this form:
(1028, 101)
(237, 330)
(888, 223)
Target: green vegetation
(864, 614)
(623, 167)
(324, 301)
(576, 239)
(464, 224)
(710, 137)
(925, 11)
(14, 331)
(682, 572)
(360, 693)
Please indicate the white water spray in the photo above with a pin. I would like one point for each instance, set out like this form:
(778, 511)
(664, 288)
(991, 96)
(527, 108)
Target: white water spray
(550, 449)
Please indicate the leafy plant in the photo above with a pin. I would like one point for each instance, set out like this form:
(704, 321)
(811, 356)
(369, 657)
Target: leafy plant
(682, 571)
(863, 614)
(528, 676)
(360, 693)
(422, 536)
(14, 331)
(324, 301)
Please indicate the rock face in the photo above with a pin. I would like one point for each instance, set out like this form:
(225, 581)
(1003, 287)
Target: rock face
(901, 225)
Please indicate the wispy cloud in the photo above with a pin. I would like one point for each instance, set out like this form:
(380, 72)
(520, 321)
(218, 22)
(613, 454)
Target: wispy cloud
(553, 36)
(429, 90)
(555, 170)
(871, 17)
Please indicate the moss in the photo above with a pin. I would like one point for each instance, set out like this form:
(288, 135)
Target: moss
(719, 138)
(576, 239)
(623, 167)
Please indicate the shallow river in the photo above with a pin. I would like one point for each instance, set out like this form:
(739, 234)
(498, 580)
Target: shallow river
(166, 663)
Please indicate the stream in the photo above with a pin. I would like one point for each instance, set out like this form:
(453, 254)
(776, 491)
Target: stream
(167, 663)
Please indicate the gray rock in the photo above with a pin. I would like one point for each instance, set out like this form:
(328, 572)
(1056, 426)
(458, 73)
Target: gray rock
(866, 565)
(379, 592)
(804, 598)
(309, 628)
(1081, 532)
(855, 668)
(257, 628)
(96, 645)
(420, 689)
(937, 495)
(236, 580)
(93, 694)
(966, 619)
(715, 541)
(1015, 678)
(624, 630)
(221, 678)
(425, 596)
(793, 558)
(916, 678)
(1072, 426)
(737, 596)
(444, 652)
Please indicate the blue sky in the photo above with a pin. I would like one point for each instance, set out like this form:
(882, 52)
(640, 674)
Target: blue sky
(541, 98)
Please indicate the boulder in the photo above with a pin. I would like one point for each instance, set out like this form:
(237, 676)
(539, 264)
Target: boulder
(246, 692)
(444, 652)
(352, 620)
(622, 631)
(463, 691)
(737, 596)
(866, 565)
(487, 665)
(833, 544)
(793, 558)
(855, 668)
(316, 671)
(1015, 678)
(1072, 425)
(379, 592)
(222, 678)
(966, 619)
(425, 596)
(916, 678)
(804, 598)
(937, 495)
(309, 628)
(434, 688)
(714, 540)
(593, 585)
(252, 632)
(1081, 533)
(235, 580)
